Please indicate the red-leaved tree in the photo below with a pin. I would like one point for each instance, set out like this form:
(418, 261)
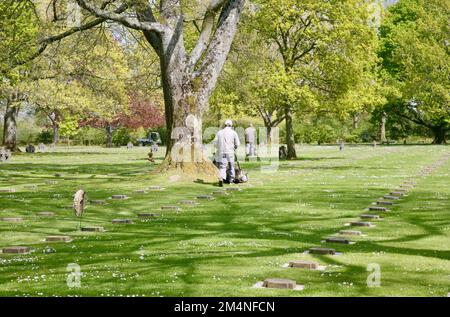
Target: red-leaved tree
(142, 113)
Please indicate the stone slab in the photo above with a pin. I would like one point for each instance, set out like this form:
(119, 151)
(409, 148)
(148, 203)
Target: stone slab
(370, 216)
(220, 193)
(122, 221)
(385, 203)
(140, 191)
(58, 239)
(280, 283)
(304, 265)
(322, 251)
(148, 215)
(7, 190)
(350, 233)
(98, 202)
(155, 188)
(397, 193)
(205, 197)
(12, 219)
(171, 208)
(377, 208)
(391, 197)
(188, 202)
(119, 197)
(16, 250)
(45, 214)
(93, 229)
(361, 224)
(233, 189)
(340, 240)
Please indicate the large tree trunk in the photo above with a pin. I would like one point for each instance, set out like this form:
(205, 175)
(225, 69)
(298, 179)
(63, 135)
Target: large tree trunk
(383, 128)
(55, 128)
(54, 118)
(290, 140)
(109, 132)
(355, 121)
(440, 135)
(10, 126)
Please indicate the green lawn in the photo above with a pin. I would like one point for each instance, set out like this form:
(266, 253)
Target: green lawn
(223, 247)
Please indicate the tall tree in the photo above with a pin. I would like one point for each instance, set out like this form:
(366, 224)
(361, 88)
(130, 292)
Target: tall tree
(326, 47)
(415, 52)
(18, 33)
(188, 76)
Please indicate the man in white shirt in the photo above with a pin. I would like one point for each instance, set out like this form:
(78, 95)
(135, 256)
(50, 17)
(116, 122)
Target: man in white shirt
(250, 140)
(226, 142)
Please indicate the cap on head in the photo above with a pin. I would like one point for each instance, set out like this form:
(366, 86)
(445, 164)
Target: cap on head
(228, 123)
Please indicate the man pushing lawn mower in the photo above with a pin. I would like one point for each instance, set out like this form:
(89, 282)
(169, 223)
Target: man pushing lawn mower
(226, 143)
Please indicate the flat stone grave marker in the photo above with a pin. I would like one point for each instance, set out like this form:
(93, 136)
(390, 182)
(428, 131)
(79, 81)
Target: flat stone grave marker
(338, 240)
(386, 203)
(58, 175)
(233, 189)
(397, 193)
(304, 265)
(391, 197)
(30, 186)
(155, 188)
(188, 202)
(118, 197)
(409, 182)
(172, 208)
(58, 239)
(93, 229)
(280, 283)
(370, 216)
(147, 215)
(7, 190)
(350, 233)
(361, 224)
(98, 202)
(140, 191)
(45, 214)
(51, 182)
(16, 250)
(220, 193)
(402, 190)
(322, 251)
(122, 221)
(377, 208)
(205, 197)
(12, 219)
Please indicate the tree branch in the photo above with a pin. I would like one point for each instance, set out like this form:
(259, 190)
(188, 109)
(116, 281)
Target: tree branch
(127, 21)
(205, 32)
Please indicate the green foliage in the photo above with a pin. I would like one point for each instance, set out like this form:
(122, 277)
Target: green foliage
(415, 58)
(45, 136)
(18, 38)
(69, 127)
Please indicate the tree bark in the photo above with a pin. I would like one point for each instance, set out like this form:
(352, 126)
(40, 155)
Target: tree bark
(109, 132)
(383, 128)
(54, 119)
(10, 126)
(355, 121)
(290, 139)
(440, 135)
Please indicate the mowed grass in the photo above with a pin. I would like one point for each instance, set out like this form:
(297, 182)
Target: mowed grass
(223, 247)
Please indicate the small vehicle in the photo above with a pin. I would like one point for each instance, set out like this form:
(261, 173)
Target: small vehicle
(153, 138)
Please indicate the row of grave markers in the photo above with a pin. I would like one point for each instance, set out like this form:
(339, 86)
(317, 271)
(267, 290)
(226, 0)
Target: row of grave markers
(98, 228)
(379, 206)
